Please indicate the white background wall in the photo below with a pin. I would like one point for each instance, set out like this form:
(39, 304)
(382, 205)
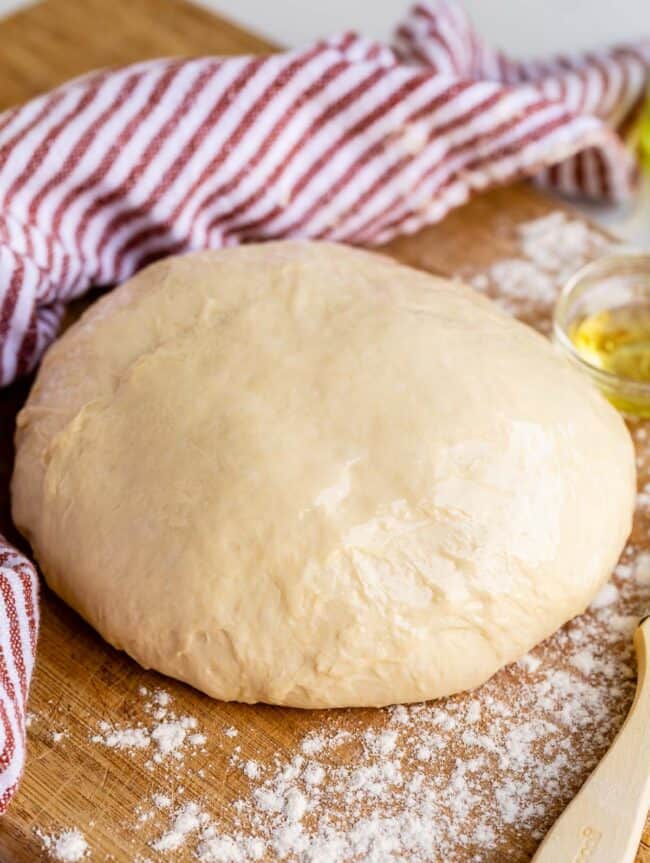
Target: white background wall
(524, 27)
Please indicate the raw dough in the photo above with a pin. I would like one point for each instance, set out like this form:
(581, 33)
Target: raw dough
(303, 474)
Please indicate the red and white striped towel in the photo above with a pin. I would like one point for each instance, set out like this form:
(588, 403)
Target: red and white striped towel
(345, 140)
(18, 628)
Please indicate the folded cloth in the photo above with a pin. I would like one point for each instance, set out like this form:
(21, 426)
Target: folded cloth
(346, 140)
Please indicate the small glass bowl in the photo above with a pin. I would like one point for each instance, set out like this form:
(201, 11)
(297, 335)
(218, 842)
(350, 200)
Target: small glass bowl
(605, 284)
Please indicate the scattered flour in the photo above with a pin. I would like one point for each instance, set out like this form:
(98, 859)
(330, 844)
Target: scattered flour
(166, 733)
(314, 774)
(122, 738)
(69, 846)
(559, 245)
(552, 249)
(607, 595)
(185, 820)
(251, 769)
(643, 497)
(467, 776)
(530, 662)
(168, 737)
(497, 763)
(642, 570)
(624, 570)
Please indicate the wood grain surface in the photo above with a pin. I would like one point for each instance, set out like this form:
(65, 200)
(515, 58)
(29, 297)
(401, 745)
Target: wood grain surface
(79, 680)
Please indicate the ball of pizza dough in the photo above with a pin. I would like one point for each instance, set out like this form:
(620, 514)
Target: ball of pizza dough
(303, 474)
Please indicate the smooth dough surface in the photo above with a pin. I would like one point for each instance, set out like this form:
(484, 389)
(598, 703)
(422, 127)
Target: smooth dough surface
(303, 474)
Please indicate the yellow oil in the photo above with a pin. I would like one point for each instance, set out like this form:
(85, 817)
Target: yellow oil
(617, 340)
(639, 134)
(644, 132)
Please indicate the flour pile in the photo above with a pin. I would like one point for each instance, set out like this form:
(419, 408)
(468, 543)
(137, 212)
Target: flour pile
(551, 249)
(69, 846)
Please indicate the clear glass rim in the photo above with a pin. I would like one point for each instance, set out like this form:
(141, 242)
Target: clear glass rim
(607, 265)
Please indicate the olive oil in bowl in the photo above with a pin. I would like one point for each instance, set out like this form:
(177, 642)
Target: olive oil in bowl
(616, 340)
(602, 321)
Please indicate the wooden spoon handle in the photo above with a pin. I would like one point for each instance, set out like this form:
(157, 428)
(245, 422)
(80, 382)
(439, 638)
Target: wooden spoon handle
(604, 822)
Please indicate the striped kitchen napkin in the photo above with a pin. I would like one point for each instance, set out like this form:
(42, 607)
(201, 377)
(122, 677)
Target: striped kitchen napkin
(346, 140)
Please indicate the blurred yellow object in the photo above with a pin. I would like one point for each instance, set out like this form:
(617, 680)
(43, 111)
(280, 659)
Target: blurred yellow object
(644, 132)
(638, 138)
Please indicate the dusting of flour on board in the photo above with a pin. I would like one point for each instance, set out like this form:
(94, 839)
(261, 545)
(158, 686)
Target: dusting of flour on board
(68, 846)
(475, 778)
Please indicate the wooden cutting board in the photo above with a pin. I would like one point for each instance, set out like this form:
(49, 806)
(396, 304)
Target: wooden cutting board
(79, 681)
